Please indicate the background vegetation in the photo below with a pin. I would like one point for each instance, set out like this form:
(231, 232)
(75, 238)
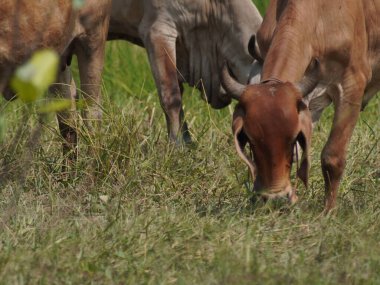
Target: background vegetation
(140, 211)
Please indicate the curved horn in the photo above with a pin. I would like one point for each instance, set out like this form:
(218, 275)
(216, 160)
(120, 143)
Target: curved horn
(234, 88)
(307, 84)
(254, 50)
(310, 80)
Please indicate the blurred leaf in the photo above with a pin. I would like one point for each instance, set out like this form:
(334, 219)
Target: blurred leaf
(77, 4)
(34, 77)
(55, 106)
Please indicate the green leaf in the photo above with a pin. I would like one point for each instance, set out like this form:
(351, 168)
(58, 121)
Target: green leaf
(55, 106)
(33, 78)
(77, 4)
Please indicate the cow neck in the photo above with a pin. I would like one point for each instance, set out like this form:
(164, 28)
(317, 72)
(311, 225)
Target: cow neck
(285, 65)
(220, 36)
(290, 51)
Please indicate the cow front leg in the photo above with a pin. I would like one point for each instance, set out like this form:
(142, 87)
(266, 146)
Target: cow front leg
(65, 88)
(186, 136)
(4, 78)
(333, 157)
(162, 57)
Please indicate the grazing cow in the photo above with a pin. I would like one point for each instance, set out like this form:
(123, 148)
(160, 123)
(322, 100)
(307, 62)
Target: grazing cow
(187, 42)
(331, 45)
(28, 25)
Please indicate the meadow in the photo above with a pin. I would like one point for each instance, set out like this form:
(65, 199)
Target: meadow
(142, 211)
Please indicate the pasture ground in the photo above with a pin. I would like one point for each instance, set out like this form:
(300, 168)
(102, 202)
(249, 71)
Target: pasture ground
(140, 211)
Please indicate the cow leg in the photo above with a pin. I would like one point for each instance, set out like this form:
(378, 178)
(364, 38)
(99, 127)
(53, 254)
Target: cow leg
(162, 57)
(333, 158)
(9, 94)
(3, 80)
(5, 89)
(90, 64)
(66, 88)
(186, 136)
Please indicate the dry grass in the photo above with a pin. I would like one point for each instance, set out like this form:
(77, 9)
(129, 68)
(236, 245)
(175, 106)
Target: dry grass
(141, 211)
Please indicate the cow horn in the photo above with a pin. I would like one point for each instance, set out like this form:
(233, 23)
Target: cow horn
(234, 88)
(254, 50)
(310, 80)
(306, 85)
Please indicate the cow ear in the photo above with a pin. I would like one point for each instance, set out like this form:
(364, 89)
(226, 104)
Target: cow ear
(254, 50)
(304, 140)
(241, 139)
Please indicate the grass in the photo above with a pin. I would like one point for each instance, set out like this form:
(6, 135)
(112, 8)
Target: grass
(141, 211)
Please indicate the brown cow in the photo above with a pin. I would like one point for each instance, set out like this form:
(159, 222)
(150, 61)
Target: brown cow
(334, 45)
(28, 25)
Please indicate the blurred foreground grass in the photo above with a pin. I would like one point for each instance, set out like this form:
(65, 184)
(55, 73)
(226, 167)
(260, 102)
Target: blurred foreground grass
(143, 212)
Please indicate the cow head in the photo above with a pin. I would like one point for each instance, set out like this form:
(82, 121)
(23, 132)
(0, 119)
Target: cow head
(271, 118)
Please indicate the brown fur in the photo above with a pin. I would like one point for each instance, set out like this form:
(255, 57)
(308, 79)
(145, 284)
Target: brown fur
(28, 25)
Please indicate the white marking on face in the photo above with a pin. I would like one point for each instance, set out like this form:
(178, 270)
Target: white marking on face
(272, 90)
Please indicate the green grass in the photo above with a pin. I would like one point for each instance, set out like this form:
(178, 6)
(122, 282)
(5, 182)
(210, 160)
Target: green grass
(141, 211)
(261, 5)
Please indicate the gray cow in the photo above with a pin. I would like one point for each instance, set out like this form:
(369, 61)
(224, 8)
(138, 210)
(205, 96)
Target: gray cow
(189, 41)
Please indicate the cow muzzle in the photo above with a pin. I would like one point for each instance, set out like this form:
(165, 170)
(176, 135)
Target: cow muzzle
(287, 193)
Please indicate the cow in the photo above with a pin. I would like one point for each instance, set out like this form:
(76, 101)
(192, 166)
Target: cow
(29, 25)
(315, 52)
(188, 41)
